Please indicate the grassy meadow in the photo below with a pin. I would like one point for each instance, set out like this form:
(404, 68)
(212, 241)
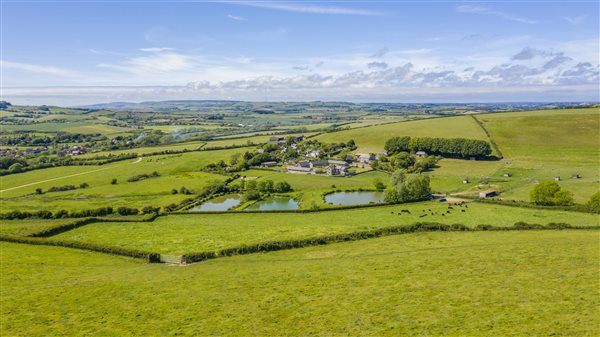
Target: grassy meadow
(458, 284)
(373, 138)
(175, 171)
(179, 234)
(540, 145)
(476, 283)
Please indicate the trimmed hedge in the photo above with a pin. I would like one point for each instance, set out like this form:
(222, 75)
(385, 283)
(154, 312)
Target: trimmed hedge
(150, 257)
(354, 236)
(524, 204)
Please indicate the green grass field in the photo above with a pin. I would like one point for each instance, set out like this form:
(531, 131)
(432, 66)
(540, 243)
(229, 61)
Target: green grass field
(547, 144)
(453, 284)
(372, 139)
(179, 234)
(30, 226)
(176, 171)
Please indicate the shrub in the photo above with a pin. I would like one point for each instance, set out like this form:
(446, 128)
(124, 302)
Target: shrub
(594, 203)
(127, 211)
(282, 187)
(250, 195)
(61, 188)
(549, 193)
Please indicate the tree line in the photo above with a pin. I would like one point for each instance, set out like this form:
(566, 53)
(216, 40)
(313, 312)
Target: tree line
(446, 147)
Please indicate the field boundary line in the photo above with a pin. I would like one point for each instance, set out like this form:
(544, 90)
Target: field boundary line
(489, 136)
(269, 246)
(69, 176)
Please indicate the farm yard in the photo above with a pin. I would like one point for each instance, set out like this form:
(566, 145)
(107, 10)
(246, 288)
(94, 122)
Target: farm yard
(79, 229)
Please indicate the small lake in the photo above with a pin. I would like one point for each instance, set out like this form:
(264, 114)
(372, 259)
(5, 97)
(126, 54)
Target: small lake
(219, 204)
(355, 198)
(276, 203)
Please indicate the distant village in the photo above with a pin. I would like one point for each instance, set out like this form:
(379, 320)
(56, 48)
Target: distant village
(74, 150)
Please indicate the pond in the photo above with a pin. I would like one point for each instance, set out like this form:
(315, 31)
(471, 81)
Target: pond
(355, 198)
(219, 204)
(276, 203)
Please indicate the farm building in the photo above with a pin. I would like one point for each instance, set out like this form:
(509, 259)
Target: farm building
(488, 194)
(333, 170)
(277, 140)
(299, 169)
(269, 164)
(365, 157)
(304, 163)
(421, 154)
(507, 174)
(314, 153)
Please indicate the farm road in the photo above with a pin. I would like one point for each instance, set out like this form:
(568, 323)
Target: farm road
(68, 176)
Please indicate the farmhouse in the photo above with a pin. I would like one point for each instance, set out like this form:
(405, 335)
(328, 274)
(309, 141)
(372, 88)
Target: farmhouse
(488, 194)
(277, 140)
(333, 170)
(365, 157)
(421, 154)
(314, 153)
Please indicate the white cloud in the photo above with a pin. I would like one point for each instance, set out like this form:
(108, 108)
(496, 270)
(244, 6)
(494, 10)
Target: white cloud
(575, 20)
(308, 8)
(36, 68)
(235, 17)
(156, 50)
(164, 62)
(474, 9)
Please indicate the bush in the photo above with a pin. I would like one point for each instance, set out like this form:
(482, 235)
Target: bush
(61, 188)
(282, 187)
(143, 176)
(150, 209)
(127, 211)
(250, 195)
(594, 203)
(549, 193)
(113, 182)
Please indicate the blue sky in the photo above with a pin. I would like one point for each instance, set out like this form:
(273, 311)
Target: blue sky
(405, 51)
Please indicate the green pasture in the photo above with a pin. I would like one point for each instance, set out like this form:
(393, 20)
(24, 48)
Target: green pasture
(175, 170)
(74, 127)
(372, 139)
(30, 226)
(453, 284)
(179, 234)
(547, 144)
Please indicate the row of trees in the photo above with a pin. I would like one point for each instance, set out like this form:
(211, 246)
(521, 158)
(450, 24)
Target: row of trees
(446, 147)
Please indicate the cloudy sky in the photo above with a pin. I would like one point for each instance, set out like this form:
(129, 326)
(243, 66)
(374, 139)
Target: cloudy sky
(81, 52)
